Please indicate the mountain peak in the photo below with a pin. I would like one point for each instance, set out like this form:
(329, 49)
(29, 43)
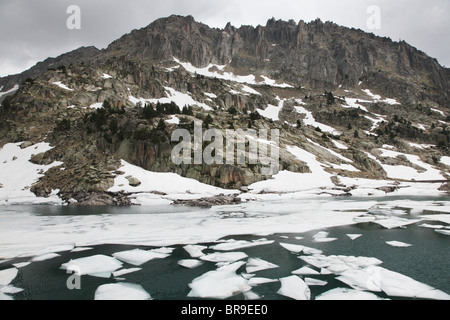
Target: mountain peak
(316, 54)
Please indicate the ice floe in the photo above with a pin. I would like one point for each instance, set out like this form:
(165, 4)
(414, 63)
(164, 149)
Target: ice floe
(444, 232)
(321, 261)
(398, 244)
(7, 276)
(397, 285)
(250, 295)
(121, 291)
(354, 236)
(322, 236)
(395, 222)
(431, 226)
(219, 284)
(364, 273)
(305, 271)
(10, 290)
(231, 245)
(255, 281)
(257, 264)
(98, 265)
(295, 288)
(81, 249)
(190, 263)
(123, 272)
(295, 248)
(224, 257)
(4, 297)
(21, 265)
(138, 257)
(315, 282)
(45, 257)
(195, 251)
(346, 294)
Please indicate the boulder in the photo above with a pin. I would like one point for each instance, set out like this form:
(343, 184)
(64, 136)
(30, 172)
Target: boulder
(26, 144)
(134, 182)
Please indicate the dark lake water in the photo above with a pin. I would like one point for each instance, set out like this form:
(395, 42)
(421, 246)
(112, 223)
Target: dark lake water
(427, 261)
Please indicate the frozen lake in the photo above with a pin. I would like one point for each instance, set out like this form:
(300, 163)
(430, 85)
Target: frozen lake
(350, 248)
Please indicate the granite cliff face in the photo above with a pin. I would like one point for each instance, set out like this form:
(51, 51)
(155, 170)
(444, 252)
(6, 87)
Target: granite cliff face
(339, 95)
(318, 55)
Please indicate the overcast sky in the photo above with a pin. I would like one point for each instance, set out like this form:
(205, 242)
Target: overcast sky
(31, 31)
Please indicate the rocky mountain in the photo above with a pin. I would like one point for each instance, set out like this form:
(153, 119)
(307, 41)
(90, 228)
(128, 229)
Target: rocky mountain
(78, 56)
(349, 107)
(318, 55)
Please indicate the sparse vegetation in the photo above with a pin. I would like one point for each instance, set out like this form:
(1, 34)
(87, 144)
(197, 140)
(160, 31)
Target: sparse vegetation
(63, 126)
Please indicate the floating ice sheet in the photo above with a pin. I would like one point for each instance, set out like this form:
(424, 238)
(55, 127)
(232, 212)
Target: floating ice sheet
(10, 290)
(295, 248)
(94, 265)
(224, 257)
(81, 249)
(250, 295)
(258, 281)
(195, 251)
(21, 264)
(354, 236)
(190, 263)
(138, 257)
(7, 276)
(365, 280)
(321, 261)
(398, 244)
(295, 288)
(315, 282)
(45, 257)
(256, 264)
(346, 294)
(322, 236)
(4, 297)
(395, 222)
(432, 226)
(305, 271)
(397, 285)
(231, 245)
(444, 232)
(125, 271)
(121, 291)
(218, 284)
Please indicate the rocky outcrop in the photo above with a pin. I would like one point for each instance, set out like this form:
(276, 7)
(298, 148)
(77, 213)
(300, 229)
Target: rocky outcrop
(96, 199)
(219, 200)
(319, 55)
(80, 55)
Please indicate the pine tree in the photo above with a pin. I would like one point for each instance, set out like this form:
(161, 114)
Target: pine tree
(208, 121)
(161, 125)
